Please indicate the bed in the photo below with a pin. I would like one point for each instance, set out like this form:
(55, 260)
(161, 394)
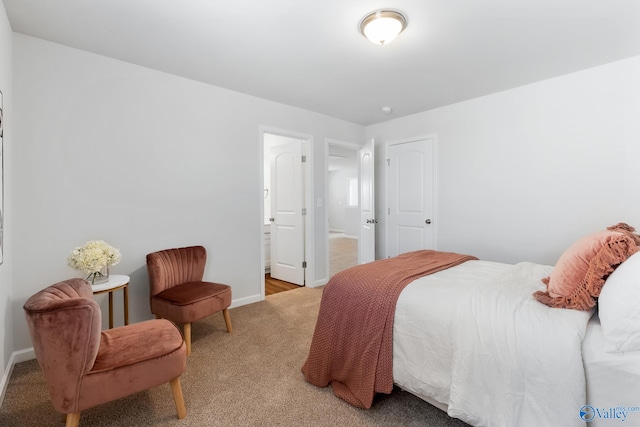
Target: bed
(613, 380)
(487, 342)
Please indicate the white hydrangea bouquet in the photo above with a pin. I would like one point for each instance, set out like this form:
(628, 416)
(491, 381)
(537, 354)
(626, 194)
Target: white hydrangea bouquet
(94, 258)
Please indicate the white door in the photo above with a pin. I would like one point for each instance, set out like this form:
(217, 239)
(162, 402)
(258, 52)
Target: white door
(410, 196)
(287, 220)
(367, 238)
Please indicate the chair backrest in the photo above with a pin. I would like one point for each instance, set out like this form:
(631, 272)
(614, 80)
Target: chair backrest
(173, 267)
(65, 323)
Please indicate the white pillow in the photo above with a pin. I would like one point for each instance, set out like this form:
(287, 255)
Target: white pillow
(619, 307)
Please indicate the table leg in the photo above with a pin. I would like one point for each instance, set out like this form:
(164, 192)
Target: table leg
(126, 305)
(110, 310)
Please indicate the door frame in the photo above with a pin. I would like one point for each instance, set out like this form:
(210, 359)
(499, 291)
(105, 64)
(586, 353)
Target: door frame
(387, 144)
(307, 150)
(343, 144)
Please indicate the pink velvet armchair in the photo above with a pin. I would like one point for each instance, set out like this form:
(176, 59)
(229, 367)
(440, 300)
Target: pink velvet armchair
(177, 291)
(84, 366)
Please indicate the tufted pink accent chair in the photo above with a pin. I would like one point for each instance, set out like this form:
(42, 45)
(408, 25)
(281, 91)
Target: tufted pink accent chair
(85, 367)
(177, 291)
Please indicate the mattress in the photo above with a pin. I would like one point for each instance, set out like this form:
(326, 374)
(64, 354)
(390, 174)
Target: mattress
(613, 381)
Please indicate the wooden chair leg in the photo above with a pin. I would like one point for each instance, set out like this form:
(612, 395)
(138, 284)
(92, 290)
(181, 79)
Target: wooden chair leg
(187, 337)
(176, 389)
(227, 320)
(73, 419)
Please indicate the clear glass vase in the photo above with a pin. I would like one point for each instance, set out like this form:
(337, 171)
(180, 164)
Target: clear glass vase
(100, 276)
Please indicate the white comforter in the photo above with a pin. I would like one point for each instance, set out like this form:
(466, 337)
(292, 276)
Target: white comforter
(474, 339)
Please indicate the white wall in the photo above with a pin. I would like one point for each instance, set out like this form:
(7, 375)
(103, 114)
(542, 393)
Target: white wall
(6, 279)
(338, 197)
(146, 161)
(525, 172)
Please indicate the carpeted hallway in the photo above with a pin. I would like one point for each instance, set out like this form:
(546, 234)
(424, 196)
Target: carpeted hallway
(343, 252)
(248, 378)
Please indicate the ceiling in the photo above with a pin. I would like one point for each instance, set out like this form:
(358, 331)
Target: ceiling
(342, 158)
(309, 54)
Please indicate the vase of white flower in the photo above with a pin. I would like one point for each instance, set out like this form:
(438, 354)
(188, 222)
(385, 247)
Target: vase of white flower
(94, 258)
(98, 277)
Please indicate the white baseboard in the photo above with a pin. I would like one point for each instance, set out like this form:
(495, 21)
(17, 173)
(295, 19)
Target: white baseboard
(244, 301)
(318, 283)
(23, 355)
(16, 357)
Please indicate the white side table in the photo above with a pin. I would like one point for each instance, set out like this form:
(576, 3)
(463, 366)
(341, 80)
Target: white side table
(115, 282)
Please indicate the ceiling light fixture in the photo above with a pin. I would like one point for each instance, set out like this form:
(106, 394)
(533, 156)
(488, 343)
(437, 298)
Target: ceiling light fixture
(382, 26)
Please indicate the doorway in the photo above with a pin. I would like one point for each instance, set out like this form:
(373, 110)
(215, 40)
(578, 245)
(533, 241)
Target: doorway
(343, 209)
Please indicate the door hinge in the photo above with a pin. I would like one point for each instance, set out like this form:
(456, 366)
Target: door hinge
(304, 264)
(304, 159)
(388, 211)
(388, 162)
(304, 211)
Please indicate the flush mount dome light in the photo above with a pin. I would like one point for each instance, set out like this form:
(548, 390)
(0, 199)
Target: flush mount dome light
(382, 26)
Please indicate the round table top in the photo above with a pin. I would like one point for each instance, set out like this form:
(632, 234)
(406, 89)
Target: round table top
(115, 281)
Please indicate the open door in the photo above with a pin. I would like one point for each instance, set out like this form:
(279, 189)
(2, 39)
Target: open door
(367, 238)
(287, 210)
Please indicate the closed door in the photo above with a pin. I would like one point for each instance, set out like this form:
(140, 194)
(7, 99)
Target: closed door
(287, 220)
(410, 196)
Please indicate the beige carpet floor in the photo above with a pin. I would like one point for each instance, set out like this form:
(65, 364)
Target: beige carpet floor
(343, 253)
(248, 378)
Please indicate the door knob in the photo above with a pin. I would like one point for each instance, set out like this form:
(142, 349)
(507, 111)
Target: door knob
(427, 221)
(272, 219)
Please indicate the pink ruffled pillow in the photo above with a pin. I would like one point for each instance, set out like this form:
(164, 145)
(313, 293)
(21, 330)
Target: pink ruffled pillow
(577, 279)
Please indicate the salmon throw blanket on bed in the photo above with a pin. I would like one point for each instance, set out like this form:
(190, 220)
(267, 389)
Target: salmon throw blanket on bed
(352, 345)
